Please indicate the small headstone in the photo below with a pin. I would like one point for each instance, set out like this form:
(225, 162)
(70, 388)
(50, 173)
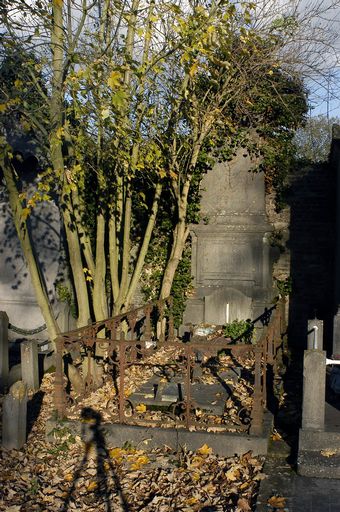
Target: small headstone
(14, 374)
(171, 392)
(14, 417)
(3, 351)
(29, 364)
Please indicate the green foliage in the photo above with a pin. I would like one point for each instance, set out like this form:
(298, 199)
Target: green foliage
(154, 270)
(181, 286)
(63, 439)
(284, 286)
(239, 330)
(65, 295)
(34, 486)
(313, 140)
(276, 240)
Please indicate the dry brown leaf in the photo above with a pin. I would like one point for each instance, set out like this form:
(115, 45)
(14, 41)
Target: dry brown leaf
(243, 505)
(277, 501)
(276, 436)
(232, 474)
(92, 486)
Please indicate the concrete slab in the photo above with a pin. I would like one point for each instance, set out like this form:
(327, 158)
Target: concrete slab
(311, 462)
(156, 393)
(302, 494)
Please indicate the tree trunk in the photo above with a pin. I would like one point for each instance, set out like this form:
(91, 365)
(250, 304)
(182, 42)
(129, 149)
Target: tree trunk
(144, 248)
(180, 236)
(99, 292)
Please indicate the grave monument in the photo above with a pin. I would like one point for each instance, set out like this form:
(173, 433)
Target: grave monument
(231, 256)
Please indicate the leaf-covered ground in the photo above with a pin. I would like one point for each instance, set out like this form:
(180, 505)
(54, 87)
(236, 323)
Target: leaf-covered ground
(77, 475)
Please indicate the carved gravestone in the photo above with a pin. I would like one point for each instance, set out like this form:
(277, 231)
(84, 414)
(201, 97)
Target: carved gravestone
(231, 261)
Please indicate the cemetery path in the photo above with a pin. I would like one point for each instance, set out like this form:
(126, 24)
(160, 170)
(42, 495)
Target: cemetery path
(284, 489)
(86, 474)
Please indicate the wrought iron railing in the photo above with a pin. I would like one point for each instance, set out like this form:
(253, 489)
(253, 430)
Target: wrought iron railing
(132, 339)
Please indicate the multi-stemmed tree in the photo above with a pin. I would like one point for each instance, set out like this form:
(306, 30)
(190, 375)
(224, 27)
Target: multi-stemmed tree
(135, 100)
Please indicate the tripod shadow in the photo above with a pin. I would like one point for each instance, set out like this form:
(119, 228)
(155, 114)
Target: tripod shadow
(93, 436)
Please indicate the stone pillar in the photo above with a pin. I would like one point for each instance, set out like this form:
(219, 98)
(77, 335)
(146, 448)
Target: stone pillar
(314, 388)
(14, 416)
(3, 351)
(29, 364)
(315, 335)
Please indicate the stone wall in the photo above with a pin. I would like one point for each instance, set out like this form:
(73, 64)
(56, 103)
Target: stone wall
(17, 296)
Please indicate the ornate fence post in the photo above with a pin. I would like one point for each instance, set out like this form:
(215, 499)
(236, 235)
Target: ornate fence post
(188, 387)
(257, 411)
(59, 396)
(122, 348)
(171, 332)
(147, 330)
(132, 319)
(160, 322)
(265, 352)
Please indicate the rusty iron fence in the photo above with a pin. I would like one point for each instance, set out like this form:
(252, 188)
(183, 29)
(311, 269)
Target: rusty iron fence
(132, 340)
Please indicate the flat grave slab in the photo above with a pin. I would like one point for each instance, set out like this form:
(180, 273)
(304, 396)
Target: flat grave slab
(158, 393)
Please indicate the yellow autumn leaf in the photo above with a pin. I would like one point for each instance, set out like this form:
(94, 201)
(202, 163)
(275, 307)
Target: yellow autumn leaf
(197, 461)
(205, 450)
(191, 501)
(209, 488)
(76, 168)
(195, 476)
(18, 83)
(139, 462)
(92, 486)
(25, 213)
(105, 113)
(245, 485)
(117, 454)
(141, 408)
(232, 474)
(68, 477)
(277, 502)
(193, 69)
(114, 79)
(161, 173)
(60, 132)
(128, 392)
(59, 3)
(328, 452)
(3, 107)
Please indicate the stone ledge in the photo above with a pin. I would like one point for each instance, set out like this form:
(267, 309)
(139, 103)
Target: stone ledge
(224, 444)
(313, 464)
(317, 440)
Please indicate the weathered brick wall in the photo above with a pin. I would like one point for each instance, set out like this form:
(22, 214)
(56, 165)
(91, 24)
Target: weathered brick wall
(308, 226)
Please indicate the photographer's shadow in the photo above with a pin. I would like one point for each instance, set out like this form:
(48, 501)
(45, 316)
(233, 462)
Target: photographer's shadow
(93, 437)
